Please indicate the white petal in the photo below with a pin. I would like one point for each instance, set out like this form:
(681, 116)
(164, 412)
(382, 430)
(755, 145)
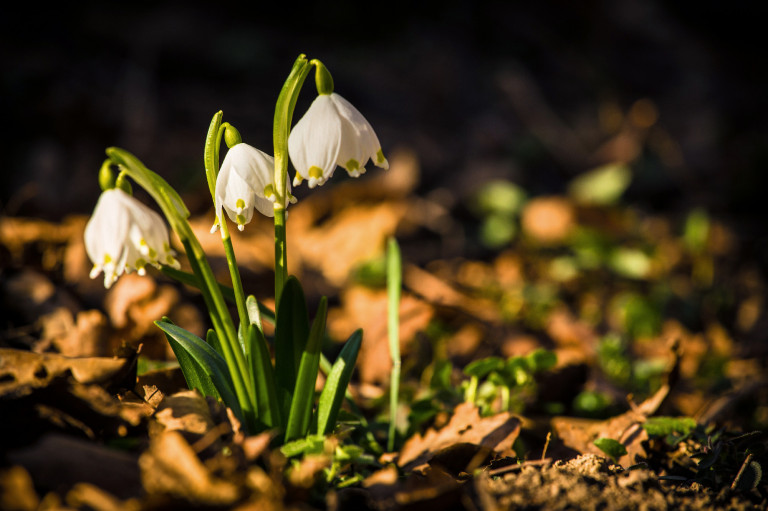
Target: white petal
(107, 229)
(315, 140)
(360, 141)
(254, 167)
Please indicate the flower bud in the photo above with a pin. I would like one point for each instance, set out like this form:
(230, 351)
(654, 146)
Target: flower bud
(106, 176)
(231, 136)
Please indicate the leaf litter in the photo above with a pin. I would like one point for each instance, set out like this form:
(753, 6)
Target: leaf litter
(95, 414)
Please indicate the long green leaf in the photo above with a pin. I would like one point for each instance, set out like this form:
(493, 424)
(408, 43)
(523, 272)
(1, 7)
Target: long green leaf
(291, 331)
(304, 393)
(193, 372)
(264, 380)
(212, 364)
(336, 384)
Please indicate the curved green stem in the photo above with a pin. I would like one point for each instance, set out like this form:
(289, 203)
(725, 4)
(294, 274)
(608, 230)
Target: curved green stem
(286, 102)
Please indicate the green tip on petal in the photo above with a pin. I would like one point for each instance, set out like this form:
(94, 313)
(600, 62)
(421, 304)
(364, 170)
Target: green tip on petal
(380, 157)
(353, 165)
(315, 172)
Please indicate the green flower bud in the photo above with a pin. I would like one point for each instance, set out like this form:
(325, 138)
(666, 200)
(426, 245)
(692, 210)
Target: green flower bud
(231, 136)
(106, 176)
(323, 78)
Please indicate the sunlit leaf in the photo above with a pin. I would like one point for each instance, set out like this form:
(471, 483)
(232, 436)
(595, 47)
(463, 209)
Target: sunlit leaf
(612, 448)
(663, 426)
(603, 185)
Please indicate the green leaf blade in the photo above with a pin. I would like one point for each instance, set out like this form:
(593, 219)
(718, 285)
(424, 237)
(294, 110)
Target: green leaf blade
(211, 363)
(336, 384)
(291, 332)
(304, 393)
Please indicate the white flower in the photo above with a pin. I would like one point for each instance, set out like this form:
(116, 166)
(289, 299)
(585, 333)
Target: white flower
(245, 182)
(332, 133)
(123, 234)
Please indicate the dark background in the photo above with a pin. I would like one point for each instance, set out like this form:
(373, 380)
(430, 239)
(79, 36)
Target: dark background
(469, 86)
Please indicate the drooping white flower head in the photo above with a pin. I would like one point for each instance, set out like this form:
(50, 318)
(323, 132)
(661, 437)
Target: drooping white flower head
(125, 235)
(245, 182)
(332, 133)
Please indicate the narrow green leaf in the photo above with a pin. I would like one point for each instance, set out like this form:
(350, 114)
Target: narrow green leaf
(213, 339)
(264, 379)
(611, 448)
(336, 384)
(291, 331)
(194, 374)
(304, 392)
(212, 364)
(210, 152)
(394, 287)
(253, 311)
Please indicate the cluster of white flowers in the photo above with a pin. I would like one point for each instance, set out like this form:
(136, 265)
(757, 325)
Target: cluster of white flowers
(125, 235)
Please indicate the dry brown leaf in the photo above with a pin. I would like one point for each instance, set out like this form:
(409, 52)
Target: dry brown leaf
(580, 434)
(20, 369)
(88, 496)
(438, 292)
(570, 332)
(367, 309)
(494, 434)
(171, 467)
(17, 491)
(354, 235)
(186, 412)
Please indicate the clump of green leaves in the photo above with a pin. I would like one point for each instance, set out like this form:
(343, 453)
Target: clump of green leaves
(497, 385)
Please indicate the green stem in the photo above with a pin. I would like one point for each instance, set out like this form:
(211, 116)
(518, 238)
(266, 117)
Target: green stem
(234, 273)
(394, 285)
(281, 254)
(286, 102)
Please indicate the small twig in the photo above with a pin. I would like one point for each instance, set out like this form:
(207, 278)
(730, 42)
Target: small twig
(546, 445)
(741, 471)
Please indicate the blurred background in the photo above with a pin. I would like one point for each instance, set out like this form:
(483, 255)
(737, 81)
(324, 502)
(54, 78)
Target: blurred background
(535, 93)
(667, 100)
